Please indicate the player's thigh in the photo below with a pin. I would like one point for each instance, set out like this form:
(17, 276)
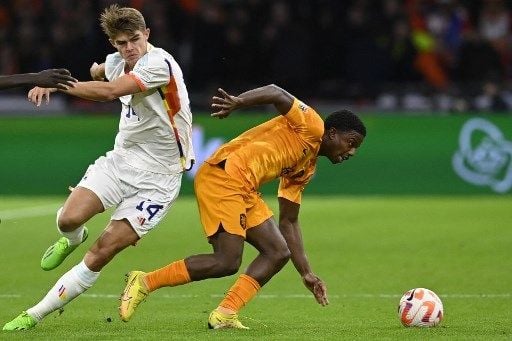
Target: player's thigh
(267, 238)
(147, 200)
(80, 206)
(230, 246)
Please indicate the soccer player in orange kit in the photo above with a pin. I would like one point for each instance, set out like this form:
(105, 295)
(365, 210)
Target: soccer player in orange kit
(232, 211)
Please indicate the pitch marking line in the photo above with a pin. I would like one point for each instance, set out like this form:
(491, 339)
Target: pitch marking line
(274, 296)
(29, 212)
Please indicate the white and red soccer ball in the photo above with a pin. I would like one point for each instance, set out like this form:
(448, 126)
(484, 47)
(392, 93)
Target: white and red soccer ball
(420, 307)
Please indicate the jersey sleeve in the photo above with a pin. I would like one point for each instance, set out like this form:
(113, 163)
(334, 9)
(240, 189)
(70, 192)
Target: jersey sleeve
(305, 120)
(295, 116)
(292, 188)
(111, 62)
(152, 72)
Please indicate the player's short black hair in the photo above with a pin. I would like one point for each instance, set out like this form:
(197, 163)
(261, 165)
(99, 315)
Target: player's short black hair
(345, 120)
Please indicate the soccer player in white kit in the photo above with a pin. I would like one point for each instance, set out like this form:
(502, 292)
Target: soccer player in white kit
(140, 177)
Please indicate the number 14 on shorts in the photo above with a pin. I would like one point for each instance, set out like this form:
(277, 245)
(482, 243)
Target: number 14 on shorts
(150, 208)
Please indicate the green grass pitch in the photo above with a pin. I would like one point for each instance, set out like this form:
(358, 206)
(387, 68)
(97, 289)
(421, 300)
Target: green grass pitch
(369, 250)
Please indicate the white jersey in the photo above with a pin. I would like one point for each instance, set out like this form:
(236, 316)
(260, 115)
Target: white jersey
(155, 129)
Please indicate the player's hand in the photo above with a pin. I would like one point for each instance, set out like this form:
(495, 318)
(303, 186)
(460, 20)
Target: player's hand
(36, 95)
(97, 72)
(54, 78)
(224, 104)
(317, 287)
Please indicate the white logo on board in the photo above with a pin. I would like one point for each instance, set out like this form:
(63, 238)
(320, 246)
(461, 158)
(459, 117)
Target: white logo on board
(484, 157)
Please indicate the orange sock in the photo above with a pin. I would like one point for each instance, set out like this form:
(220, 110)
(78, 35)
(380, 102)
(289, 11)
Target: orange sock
(169, 276)
(244, 289)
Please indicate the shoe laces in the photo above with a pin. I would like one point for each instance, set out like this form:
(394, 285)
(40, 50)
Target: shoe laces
(62, 243)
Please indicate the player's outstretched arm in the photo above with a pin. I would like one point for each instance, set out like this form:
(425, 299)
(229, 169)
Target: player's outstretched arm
(93, 90)
(105, 91)
(225, 103)
(290, 229)
(51, 78)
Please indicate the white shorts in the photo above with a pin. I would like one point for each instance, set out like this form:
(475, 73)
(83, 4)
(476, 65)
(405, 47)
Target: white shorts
(141, 197)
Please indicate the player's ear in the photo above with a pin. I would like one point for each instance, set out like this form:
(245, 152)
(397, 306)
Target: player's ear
(332, 133)
(112, 43)
(147, 33)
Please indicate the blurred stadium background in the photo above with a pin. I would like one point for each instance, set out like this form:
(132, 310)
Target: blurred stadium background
(433, 79)
(387, 55)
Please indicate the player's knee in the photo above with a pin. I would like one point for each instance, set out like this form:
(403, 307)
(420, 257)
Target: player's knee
(231, 269)
(228, 266)
(282, 256)
(68, 221)
(99, 257)
(278, 254)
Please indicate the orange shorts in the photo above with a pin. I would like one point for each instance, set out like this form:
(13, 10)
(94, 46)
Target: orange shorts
(222, 199)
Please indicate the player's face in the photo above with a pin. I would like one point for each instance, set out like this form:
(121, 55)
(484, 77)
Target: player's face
(131, 46)
(340, 146)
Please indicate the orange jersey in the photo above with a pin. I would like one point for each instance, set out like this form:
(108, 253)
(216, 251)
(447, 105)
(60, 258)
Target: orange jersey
(285, 147)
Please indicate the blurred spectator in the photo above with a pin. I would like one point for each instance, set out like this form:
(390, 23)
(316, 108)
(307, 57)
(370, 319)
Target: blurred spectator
(366, 63)
(428, 59)
(495, 27)
(395, 37)
(478, 60)
(286, 42)
(344, 50)
(207, 44)
(491, 99)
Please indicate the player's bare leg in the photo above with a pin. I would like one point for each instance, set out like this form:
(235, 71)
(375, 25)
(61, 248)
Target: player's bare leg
(116, 237)
(224, 261)
(274, 254)
(273, 251)
(81, 205)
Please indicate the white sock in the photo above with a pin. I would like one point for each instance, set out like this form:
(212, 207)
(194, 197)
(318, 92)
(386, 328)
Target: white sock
(70, 285)
(74, 237)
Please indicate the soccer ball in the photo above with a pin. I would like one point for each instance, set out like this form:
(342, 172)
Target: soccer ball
(420, 307)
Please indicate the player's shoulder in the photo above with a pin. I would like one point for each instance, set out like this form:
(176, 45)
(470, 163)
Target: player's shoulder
(155, 59)
(313, 119)
(305, 109)
(114, 65)
(157, 54)
(113, 58)
(300, 105)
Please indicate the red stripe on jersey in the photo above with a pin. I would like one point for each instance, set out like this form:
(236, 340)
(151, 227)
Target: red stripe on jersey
(171, 97)
(172, 105)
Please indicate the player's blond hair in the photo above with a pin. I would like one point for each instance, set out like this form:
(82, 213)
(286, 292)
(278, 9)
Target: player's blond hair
(115, 20)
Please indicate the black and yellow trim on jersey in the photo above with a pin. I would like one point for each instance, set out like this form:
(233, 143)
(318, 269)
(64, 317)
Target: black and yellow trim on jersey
(171, 101)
